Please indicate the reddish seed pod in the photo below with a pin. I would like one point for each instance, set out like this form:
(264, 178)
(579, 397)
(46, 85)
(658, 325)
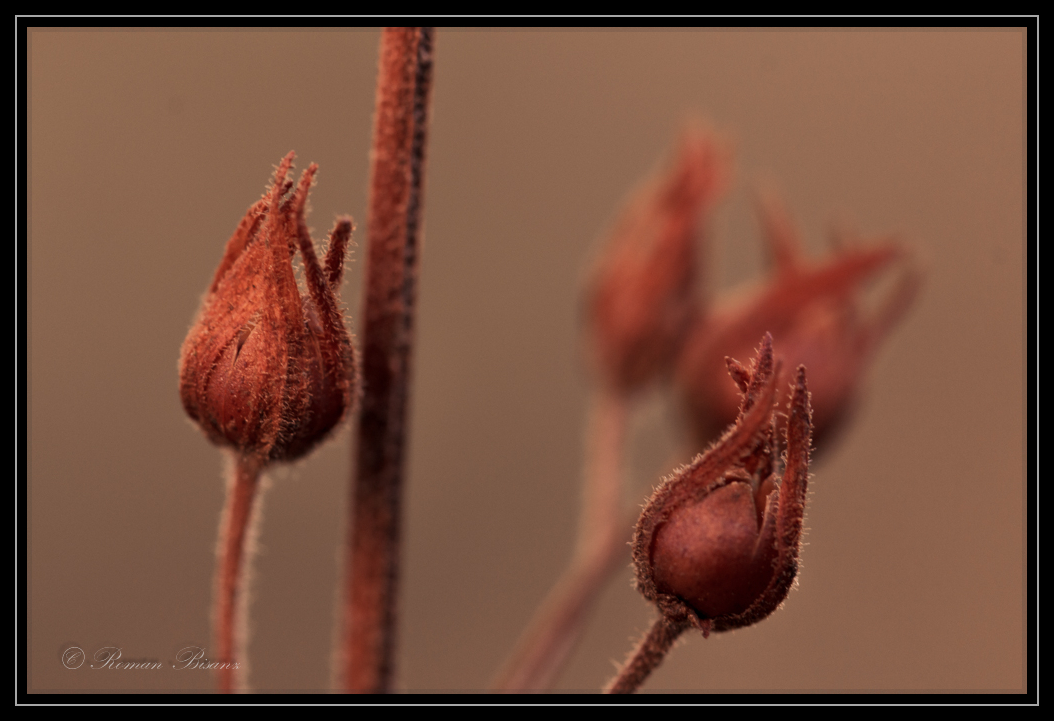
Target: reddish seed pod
(717, 544)
(641, 298)
(265, 370)
(814, 309)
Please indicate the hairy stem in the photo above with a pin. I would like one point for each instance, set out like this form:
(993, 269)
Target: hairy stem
(394, 220)
(603, 531)
(647, 656)
(233, 560)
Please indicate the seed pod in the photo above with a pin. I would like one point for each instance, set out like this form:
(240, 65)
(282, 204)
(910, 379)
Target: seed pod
(265, 370)
(642, 297)
(814, 309)
(717, 544)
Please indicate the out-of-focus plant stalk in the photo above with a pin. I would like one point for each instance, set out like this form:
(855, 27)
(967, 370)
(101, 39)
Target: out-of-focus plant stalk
(603, 531)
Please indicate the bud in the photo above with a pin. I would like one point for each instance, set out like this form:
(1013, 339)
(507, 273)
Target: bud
(641, 300)
(265, 370)
(814, 309)
(717, 544)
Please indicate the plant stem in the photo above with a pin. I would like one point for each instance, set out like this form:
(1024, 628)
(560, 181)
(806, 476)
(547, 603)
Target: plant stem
(647, 656)
(231, 571)
(394, 222)
(603, 531)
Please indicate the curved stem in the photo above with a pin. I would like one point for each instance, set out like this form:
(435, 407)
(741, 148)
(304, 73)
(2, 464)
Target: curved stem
(647, 656)
(603, 531)
(231, 572)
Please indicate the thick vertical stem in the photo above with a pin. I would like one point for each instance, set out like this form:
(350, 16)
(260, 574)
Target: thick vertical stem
(394, 220)
(603, 532)
(647, 656)
(232, 552)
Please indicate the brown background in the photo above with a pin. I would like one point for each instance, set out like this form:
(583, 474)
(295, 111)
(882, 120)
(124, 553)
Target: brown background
(147, 147)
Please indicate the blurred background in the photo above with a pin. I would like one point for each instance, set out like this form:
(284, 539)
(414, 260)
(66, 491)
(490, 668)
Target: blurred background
(146, 147)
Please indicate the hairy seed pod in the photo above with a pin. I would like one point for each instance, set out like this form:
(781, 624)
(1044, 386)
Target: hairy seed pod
(717, 544)
(265, 370)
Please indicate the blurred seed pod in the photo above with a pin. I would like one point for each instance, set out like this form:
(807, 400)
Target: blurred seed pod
(815, 310)
(641, 299)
